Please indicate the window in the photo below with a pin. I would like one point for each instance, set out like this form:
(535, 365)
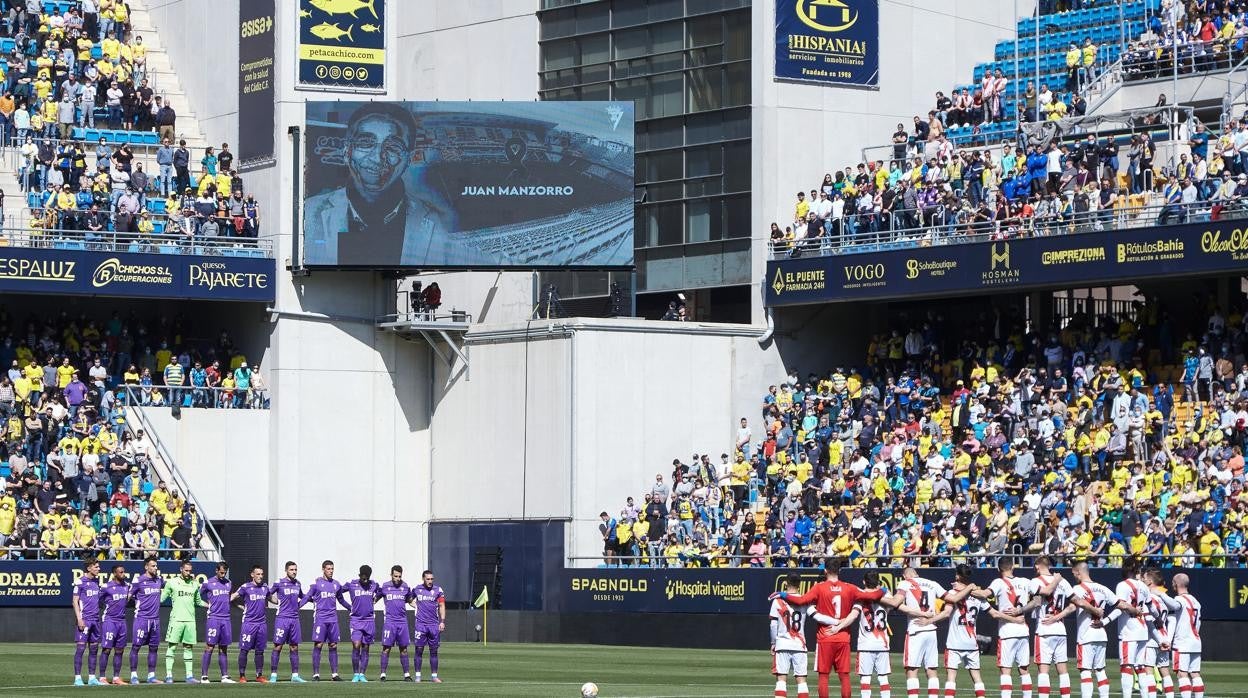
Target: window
(707, 160)
(666, 92)
(665, 223)
(704, 90)
(704, 220)
(559, 54)
(663, 166)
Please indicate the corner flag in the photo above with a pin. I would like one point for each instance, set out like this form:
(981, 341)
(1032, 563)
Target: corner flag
(483, 603)
(483, 598)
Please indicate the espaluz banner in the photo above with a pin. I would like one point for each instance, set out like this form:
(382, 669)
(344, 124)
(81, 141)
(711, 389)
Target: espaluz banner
(1088, 259)
(50, 583)
(1223, 593)
(123, 274)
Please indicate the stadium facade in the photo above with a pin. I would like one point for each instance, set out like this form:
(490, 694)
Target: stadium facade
(374, 439)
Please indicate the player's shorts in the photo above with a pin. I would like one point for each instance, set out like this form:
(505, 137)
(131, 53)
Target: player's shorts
(363, 631)
(181, 632)
(1188, 662)
(115, 635)
(286, 631)
(1050, 649)
(920, 650)
(1090, 655)
(1012, 652)
(218, 632)
(253, 636)
(1131, 653)
(785, 661)
(146, 632)
(1155, 658)
(428, 636)
(832, 657)
(395, 634)
(962, 659)
(90, 633)
(326, 632)
(874, 662)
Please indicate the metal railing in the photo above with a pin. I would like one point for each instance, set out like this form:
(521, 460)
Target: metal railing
(174, 475)
(214, 397)
(171, 241)
(814, 560)
(897, 232)
(13, 550)
(1144, 63)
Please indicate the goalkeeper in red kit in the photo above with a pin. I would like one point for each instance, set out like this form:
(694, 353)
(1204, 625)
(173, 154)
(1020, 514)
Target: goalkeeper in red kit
(835, 599)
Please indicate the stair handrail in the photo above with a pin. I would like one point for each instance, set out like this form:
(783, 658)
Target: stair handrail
(134, 407)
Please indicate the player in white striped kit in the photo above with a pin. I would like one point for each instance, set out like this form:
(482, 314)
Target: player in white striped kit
(962, 642)
(1012, 597)
(1050, 641)
(788, 639)
(1187, 640)
(873, 633)
(1090, 638)
(921, 648)
(1133, 631)
(1162, 608)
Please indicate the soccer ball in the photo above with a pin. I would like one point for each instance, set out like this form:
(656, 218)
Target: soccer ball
(589, 690)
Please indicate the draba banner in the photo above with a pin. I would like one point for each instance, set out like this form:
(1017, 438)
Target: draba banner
(1085, 259)
(84, 273)
(1223, 593)
(342, 45)
(828, 41)
(50, 583)
(481, 185)
(255, 82)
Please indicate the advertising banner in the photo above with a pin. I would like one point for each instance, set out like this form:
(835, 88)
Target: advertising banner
(50, 583)
(342, 45)
(479, 185)
(1007, 265)
(835, 42)
(256, 40)
(86, 273)
(1223, 593)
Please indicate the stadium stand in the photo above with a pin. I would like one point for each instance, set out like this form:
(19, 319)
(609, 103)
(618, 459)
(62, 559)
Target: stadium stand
(81, 476)
(133, 186)
(1111, 438)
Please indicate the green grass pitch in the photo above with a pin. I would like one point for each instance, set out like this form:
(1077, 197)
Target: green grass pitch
(528, 671)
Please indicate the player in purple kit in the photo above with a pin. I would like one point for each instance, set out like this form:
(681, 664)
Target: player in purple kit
(116, 592)
(287, 593)
(395, 596)
(86, 604)
(325, 594)
(430, 603)
(216, 593)
(254, 634)
(146, 592)
(363, 594)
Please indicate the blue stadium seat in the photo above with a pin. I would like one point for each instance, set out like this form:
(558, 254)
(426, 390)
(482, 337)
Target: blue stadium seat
(134, 247)
(151, 138)
(169, 249)
(7, 44)
(158, 227)
(77, 133)
(156, 205)
(91, 134)
(96, 53)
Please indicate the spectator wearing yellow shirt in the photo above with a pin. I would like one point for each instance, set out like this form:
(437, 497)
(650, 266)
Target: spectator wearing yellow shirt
(64, 374)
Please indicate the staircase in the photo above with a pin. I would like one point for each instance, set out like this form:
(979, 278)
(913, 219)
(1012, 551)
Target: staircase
(164, 80)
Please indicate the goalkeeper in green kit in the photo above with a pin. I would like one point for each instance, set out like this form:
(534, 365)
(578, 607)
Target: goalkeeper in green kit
(184, 592)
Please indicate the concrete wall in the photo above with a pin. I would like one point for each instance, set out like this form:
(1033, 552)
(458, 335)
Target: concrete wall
(224, 454)
(202, 41)
(571, 417)
(802, 131)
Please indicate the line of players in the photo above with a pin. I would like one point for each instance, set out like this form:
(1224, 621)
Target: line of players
(1156, 631)
(100, 613)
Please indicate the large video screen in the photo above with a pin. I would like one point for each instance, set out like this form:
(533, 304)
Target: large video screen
(468, 185)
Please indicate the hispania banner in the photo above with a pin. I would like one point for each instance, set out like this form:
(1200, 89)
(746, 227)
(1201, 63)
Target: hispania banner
(50, 583)
(828, 41)
(477, 185)
(1223, 593)
(342, 45)
(912, 271)
(85, 273)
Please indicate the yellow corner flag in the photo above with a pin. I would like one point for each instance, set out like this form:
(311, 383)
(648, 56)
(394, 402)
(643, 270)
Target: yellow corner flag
(483, 603)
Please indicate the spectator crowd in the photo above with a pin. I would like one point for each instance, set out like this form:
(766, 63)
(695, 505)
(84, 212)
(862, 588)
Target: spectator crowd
(69, 65)
(78, 478)
(1113, 437)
